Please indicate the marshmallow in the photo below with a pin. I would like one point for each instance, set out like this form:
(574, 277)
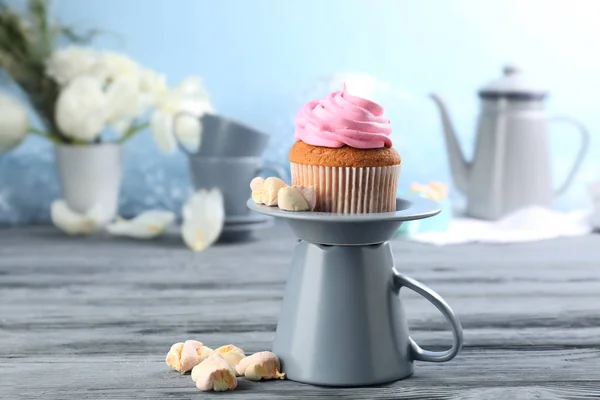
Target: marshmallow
(297, 198)
(183, 357)
(271, 189)
(214, 373)
(231, 354)
(440, 189)
(275, 192)
(309, 194)
(262, 365)
(174, 355)
(436, 191)
(205, 353)
(257, 185)
(290, 199)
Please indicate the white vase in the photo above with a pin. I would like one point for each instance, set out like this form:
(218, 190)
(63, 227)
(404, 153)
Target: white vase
(90, 175)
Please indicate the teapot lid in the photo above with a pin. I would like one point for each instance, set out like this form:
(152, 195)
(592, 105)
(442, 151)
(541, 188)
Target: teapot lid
(514, 85)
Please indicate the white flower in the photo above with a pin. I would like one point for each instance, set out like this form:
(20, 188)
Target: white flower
(130, 97)
(203, 218)
(82, 109)
(119, 65)
(124, 103)
(147, 225)
(14, 123)
(73, 223)
(188, 131)
(130, 91)
(185, 102)
(152, 87)
(69, 63)
(161, 124)
(193, 86)
(152, 83)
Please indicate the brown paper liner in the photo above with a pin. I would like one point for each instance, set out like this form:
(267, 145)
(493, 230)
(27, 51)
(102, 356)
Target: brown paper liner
(350, 190)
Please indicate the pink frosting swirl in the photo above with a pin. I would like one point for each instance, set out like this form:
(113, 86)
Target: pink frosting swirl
(341, 119)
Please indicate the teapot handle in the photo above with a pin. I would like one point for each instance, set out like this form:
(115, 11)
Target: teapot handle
(585, 141)
(401, 280)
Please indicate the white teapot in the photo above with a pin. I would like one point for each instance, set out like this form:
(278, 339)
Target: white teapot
(511, 164)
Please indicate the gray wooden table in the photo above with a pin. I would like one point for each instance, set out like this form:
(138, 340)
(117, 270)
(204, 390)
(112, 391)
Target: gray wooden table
(94, 317)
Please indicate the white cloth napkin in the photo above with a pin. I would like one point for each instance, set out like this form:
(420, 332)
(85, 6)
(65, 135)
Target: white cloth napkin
(526, 225)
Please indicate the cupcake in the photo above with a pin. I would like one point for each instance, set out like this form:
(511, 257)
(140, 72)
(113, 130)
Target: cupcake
(344, 151)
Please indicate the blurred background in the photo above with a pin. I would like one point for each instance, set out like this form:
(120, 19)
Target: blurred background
(262, 59)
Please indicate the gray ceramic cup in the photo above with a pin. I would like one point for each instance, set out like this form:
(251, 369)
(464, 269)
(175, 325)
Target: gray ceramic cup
(342, 322)
(232, 176)
(224, 137)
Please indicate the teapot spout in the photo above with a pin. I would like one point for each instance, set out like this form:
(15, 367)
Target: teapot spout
(459, 167)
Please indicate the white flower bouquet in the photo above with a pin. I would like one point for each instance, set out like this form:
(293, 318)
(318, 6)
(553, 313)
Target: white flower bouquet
(88, 102)
(87, 96)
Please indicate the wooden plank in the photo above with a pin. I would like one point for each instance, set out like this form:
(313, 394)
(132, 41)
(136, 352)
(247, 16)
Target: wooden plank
(93, 317)
(476, 374)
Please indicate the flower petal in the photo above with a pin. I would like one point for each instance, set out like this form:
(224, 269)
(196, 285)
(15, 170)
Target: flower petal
(82, 109)
(71, 62)
(161, 124)
(120, 65)
(152, 83)
(147, 225)
(153, 88)
(124, 101)
(196, 106)
(204, 216)
(192, 86)
(73, 223)
(188, 131)
(14, 123)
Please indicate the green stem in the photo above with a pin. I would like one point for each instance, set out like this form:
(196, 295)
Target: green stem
(48, 136)
(132, 131)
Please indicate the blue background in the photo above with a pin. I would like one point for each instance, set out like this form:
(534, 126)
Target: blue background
(261, 59)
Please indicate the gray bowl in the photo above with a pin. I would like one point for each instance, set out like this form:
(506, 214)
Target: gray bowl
(223, 137)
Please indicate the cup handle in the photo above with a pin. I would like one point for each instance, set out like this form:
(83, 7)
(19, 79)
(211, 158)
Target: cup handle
(585, 141)
(277, 169)
(417, 353)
